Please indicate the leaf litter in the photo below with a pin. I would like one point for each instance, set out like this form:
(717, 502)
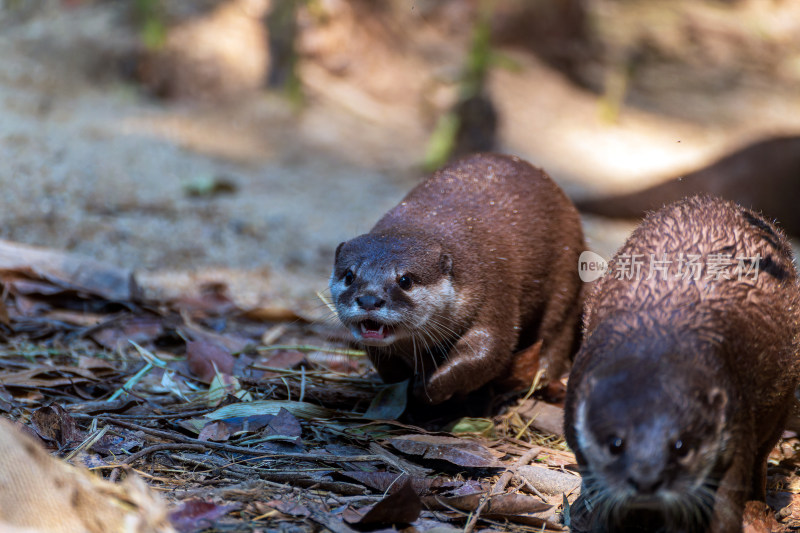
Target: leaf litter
(235, 434)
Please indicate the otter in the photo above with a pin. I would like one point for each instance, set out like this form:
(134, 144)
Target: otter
(475, 262)
(764, 176)
(687, 371)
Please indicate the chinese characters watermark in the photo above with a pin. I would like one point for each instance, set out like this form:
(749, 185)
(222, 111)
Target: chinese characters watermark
(592, 266)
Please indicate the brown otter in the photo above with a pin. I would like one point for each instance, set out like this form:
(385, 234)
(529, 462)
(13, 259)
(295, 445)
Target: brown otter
(476, 261)
(685, 378)
(764, 176)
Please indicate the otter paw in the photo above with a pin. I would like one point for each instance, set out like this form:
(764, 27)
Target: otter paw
(431, 393)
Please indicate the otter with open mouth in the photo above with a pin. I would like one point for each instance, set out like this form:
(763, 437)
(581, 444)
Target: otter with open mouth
(477, 261)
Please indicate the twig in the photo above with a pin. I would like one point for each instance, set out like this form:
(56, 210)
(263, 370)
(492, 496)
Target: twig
(204, 462)
(160, 447)
(399, 463)
(161, 416)
(87, 443)
(499, 487)
(245, 451)
(155, 448)
(308, 348)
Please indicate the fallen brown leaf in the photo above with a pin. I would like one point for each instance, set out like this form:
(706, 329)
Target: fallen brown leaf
(4, 318)
(117, 334)
(68, 271)
(546, 417)
(54, 424)
(391, 482)
(196, 515)
(547, 480)
(213, 300)
(787, 505)
(289, 508)
(460, 452)
(399, 508)
(206, 359)
(279, 359)
(40, 492)
(50, 376)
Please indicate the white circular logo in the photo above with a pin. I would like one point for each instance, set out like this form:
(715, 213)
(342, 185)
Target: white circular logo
(591, 266)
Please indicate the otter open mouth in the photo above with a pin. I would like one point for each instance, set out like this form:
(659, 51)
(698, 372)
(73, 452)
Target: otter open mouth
(375, 330)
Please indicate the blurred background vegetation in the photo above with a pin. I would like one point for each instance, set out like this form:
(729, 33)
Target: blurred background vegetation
(241, 140)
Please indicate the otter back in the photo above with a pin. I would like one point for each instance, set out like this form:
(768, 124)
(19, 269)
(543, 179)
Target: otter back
(687, 371)
(764, 176)
(476, 261)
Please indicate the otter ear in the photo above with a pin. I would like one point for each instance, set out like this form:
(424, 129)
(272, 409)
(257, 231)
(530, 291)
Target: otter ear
(717, 399)
(446, 264)
(338, 249)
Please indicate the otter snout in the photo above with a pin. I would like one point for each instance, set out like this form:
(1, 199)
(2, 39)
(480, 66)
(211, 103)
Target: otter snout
(645, 480)
(370, 302)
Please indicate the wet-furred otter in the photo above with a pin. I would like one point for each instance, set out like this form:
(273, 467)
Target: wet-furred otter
(686, 373)
(475, 262)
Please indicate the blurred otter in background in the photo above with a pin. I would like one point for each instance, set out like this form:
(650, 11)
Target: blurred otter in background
(764, 176)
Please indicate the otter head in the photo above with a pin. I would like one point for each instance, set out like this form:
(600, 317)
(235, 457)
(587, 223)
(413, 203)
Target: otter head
(388, 288)
(650, 423)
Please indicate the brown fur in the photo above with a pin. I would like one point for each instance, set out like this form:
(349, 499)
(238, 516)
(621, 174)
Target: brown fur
(507, 239)
(696, 377)
(764, 176)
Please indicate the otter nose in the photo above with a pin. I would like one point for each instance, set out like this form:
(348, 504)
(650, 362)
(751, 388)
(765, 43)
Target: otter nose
(646, 484)
(368, 302)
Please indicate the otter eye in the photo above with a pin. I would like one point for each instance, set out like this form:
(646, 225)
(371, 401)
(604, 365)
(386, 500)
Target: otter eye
(405, 282)
(680, 448)
(616, 445)
(348, 278)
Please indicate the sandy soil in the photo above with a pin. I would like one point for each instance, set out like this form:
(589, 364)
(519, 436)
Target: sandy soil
(92, 165)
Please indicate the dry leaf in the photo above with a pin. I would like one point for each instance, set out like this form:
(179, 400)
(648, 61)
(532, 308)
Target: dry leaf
(196, 515)
(68, 271)
(40, 492)
(548, 481)
(53, 423)
(399, 508)
(461, 452)
(289, 508)
(118, 334)
(204, 356)
(4, 318)
(391, 482)
(546, 417)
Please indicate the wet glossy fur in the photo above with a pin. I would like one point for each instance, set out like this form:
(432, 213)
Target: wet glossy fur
(682, 386)
(492, 246)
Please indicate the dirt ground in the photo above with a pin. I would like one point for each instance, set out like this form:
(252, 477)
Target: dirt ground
(93, 165)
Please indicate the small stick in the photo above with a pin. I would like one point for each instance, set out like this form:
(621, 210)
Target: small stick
(155, 448)
(160, 447)
(307, 348)
(246, 451)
